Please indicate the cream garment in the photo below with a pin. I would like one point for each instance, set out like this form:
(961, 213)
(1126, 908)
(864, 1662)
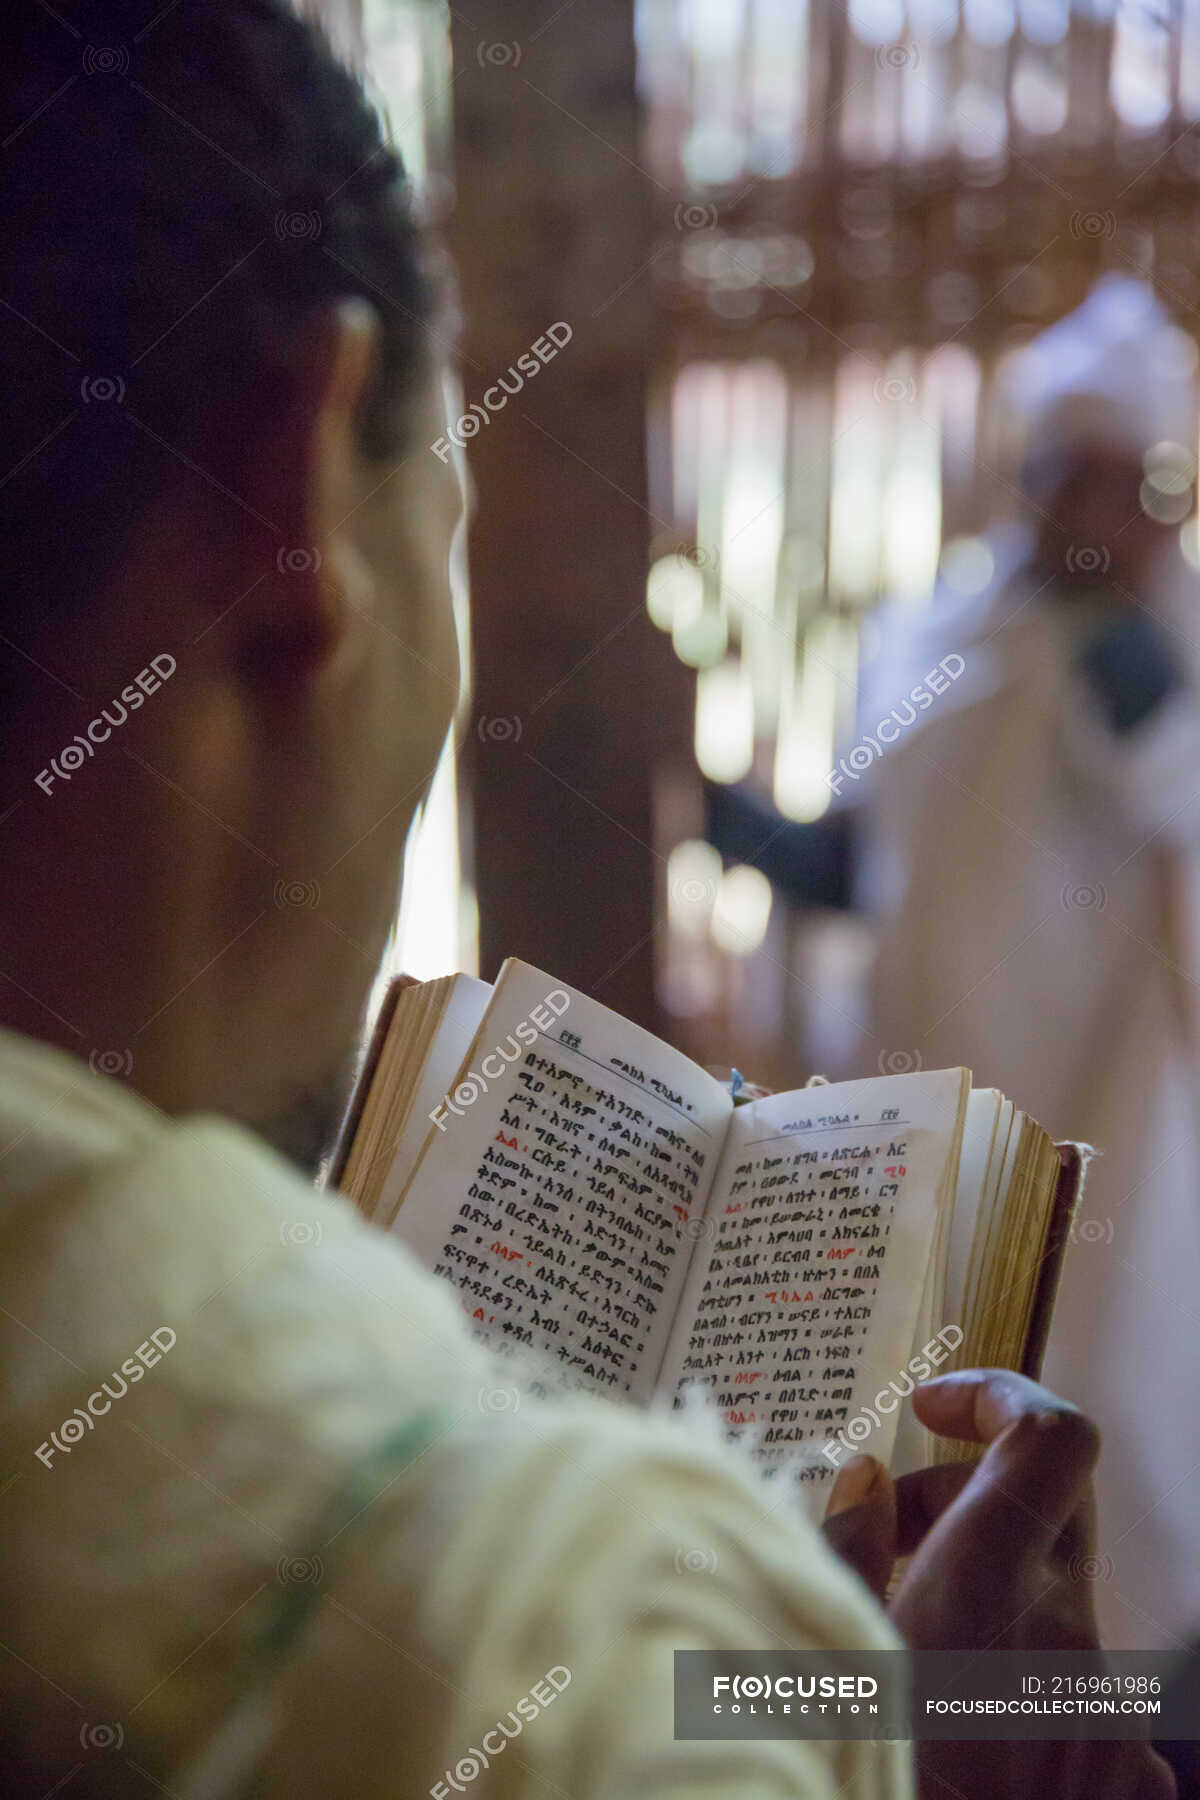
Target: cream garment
(1034, 880)
(251, 1474)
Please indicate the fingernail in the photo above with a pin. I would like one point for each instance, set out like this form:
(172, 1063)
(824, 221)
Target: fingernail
(854, 1482)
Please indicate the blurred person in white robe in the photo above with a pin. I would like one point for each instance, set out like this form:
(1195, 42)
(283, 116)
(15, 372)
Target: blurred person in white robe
(1029, 849)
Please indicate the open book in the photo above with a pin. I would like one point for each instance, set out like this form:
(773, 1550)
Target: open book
(807, 1257)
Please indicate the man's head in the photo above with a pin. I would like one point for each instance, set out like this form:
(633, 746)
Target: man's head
(1091, 525)
(218, 402)
(1095, 393)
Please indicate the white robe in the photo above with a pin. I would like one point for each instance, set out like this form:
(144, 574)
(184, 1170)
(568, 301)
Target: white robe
(273, 1523)
(1035, 880)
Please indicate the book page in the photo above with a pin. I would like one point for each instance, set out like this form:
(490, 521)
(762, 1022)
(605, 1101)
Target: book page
(978, 1175)
(802, 1307)
(464, 1012)
(563, 1184)
(943, 1303)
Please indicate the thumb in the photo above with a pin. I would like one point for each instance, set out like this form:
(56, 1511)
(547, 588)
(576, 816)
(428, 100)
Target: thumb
(860, 1521)
(1034, 1473)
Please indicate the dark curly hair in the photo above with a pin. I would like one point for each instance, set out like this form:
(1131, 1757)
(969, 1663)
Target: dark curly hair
(180, 186)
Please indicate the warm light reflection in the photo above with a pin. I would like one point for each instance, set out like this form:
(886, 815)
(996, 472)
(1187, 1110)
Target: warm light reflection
(742, 910)
(734, 89)
(693, 877)
(724, 721)
(407, 44)
(862, 396)
(427, 940)
(674, 593)
(967, 565)
(809, 722)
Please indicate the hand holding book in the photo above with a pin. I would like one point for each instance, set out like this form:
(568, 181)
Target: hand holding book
(995, 1552)
(804, 1259)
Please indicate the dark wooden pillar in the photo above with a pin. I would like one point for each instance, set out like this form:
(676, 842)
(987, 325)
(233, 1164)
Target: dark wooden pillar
(551, 229)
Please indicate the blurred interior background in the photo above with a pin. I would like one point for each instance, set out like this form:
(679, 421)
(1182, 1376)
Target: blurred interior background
(795, 242)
